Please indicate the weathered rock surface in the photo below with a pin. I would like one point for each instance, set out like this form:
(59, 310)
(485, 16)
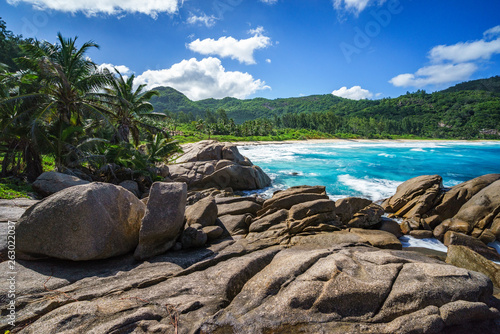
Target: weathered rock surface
(85, 222)
(51, 182)
(465, 257)
(204, 212)
(236, 224)
(163, 220)
(13, 209)
(209, 164)
(460, 239)
(131, 186)
(367, 217)
(482, 210)
(345, 208)
(415, 196)
(458, 195)
(237, 288)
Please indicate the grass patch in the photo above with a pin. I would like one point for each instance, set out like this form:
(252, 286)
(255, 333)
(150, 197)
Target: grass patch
(11, 188)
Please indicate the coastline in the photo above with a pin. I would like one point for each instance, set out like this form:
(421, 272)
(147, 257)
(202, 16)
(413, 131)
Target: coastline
(327, 141)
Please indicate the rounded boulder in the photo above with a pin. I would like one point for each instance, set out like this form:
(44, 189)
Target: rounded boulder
(86, 222)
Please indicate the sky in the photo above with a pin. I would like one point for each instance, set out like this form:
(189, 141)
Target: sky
(357, 49)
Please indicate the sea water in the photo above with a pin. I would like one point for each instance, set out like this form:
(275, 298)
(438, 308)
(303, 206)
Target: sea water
(373, 169)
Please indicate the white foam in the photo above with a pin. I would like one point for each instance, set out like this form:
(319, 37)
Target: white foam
(418, 149)
(430, 243)
(374, 189)
(387, 155)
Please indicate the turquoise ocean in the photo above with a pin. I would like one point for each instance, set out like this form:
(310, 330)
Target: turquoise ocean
(373, 169)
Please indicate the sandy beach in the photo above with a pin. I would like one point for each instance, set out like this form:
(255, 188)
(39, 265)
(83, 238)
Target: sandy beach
(326, 141)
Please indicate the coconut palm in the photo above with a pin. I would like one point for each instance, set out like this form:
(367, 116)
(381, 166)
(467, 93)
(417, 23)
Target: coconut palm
(128, 105)
(68, 86)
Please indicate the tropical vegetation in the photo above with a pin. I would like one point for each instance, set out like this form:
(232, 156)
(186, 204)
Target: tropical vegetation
(58, 105)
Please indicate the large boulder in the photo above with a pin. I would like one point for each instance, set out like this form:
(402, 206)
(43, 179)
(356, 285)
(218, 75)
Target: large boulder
(163, 220)
(51, 182)
(209, 164)
(482, 211)
(415, 196)
(85, 222)
(458, 239)
(465, 257)
(345, 208)
(458, 195)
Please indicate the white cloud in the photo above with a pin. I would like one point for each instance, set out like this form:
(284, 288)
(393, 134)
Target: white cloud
(355, 6)
(122, 68)
(203, 79)
(464, 52)
(435, 75)
(269, 2)
(353, 93)
(208, 21)
(268, 61)
(241, 50)
(495, 31)
(452, 63)
(112, 7)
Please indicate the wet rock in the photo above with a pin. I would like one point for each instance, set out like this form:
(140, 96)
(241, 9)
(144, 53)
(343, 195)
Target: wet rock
(421, 234)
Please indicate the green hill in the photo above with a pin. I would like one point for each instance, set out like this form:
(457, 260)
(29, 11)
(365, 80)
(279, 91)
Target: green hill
(490, 85)
(467, 110)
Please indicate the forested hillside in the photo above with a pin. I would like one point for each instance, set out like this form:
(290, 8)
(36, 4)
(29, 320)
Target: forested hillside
(462, 111)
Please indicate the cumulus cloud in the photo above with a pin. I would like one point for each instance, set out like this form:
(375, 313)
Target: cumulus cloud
(452, 63)
(208, 21)
(122, 68)
(203, 79)
(355, 6)
(112, 7)
(435, 75)
(353, 93)
(241, 50)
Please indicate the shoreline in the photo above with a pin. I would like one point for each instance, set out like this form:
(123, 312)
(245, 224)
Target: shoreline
(338, 140)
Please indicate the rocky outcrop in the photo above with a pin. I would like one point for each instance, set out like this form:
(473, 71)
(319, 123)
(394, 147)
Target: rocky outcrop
(51, 182)
(471, 208)
(241, 287)
(163, 220)
(293, 266)
(208, 164)
(85, 222)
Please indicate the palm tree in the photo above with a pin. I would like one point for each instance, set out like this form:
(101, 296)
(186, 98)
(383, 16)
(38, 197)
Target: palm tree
(68, 86)
(128, 105)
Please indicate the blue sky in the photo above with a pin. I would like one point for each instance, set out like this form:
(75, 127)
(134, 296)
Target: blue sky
(278, 48)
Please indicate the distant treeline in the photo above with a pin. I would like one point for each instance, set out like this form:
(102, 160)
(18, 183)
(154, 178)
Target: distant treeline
(462, 114)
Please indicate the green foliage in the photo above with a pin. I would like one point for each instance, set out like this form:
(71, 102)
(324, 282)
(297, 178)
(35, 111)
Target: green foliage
(11, 188)
(463, 114)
